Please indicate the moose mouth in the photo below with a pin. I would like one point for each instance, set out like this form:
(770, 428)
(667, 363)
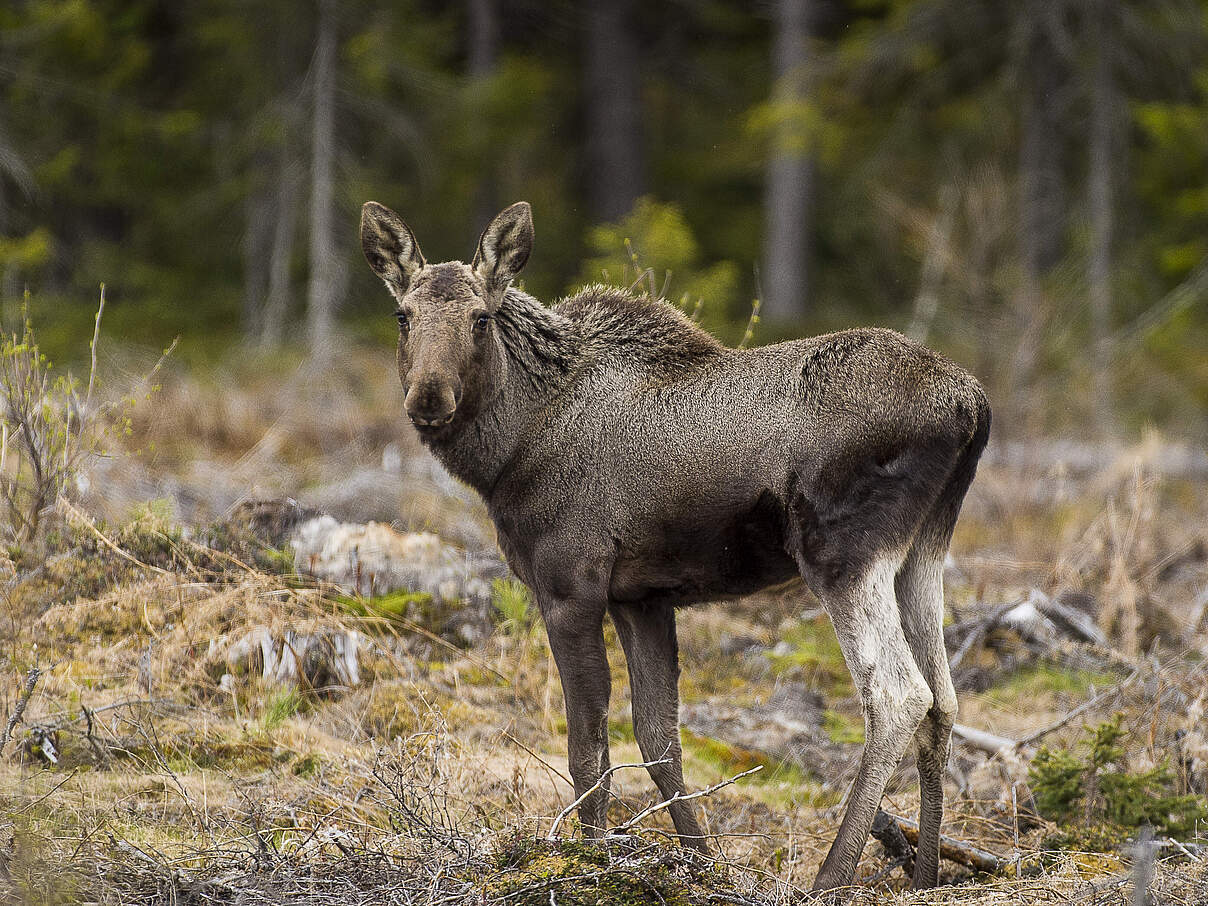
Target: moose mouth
(431, 424)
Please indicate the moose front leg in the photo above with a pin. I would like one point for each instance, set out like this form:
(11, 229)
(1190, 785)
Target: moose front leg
(576, 638)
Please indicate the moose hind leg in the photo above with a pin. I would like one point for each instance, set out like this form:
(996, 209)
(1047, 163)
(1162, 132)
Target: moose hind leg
(576, 638)
(647, 635)
(920, 591)
(894, 696)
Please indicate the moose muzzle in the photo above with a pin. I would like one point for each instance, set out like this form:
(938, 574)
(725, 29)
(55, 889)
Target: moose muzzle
(431, 402)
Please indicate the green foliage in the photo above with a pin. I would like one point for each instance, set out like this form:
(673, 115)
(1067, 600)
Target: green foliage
(1098, 802)
(514, 607)
(657, 235)
(280, 707)
(1057, 779)
(152, 144)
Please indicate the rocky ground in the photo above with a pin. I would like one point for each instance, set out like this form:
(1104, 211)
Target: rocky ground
(271, 655)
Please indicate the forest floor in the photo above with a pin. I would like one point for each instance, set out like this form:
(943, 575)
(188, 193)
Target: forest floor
(149, 766)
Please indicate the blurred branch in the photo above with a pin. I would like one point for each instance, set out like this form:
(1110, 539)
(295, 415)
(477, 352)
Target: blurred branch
(27, 691)
(1193, 289)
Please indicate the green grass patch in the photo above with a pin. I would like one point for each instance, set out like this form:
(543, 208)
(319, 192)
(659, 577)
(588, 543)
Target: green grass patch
(307, 765)
(514, 606)
(1038, 681)
(816, 656)
(280, 707)
(396, 605)
(620, 731)
(779, 781)
(842, 728)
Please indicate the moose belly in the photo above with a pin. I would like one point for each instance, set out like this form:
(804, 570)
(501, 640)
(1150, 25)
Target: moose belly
(702, 556)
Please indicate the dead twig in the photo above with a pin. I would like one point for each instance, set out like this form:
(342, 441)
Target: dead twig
(599, 784)
(27, 691)
(84, 520)
(1035, 737)
(993, 744)
(684, 797)
(54, 789)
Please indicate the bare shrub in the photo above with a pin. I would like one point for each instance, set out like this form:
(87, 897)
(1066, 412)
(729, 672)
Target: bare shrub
(47, 428)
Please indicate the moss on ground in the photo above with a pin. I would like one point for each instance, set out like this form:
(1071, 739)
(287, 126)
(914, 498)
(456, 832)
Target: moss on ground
(778, 782)
(841, 727)
(816, 657)
(580, 873)
(1039, 680)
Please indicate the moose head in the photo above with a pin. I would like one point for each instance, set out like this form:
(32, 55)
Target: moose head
(449, 359)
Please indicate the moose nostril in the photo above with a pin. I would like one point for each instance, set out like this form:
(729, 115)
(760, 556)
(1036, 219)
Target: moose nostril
(431, 403)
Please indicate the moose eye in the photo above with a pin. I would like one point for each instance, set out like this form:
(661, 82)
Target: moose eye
(482, 322)
(404, 320)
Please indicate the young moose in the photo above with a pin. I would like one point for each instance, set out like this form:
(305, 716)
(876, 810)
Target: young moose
(632, 464)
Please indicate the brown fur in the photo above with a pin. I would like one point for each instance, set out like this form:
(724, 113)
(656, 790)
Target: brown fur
(632, 464)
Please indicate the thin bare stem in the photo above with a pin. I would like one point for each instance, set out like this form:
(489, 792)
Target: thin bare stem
(684, 797)
(31, 680)
(553, 831)
(749, 334)
(96, 335)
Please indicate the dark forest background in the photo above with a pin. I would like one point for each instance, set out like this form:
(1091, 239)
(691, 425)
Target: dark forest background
(1022, 184)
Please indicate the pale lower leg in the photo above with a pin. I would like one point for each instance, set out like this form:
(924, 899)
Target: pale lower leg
(894, 696)
(920, 588)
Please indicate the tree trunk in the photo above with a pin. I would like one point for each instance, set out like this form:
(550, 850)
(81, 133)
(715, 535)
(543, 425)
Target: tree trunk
(1042, 204)
(257, 235)
(276, 303)
(1100, 180)
(1041, 180)
(324, 279)
(482, 56)
(616, 164)
(483, 27)
(789, 186)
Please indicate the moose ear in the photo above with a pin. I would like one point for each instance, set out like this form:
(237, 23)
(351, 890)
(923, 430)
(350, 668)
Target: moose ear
(504, 247)
(389, 246)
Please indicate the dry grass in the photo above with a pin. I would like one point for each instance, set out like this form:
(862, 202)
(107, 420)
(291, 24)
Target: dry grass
(434, 780)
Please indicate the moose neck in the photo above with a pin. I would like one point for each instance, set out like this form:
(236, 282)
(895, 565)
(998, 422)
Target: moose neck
(541, 351)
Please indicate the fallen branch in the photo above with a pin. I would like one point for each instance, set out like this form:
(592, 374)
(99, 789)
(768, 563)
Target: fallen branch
(1069, 620)
(979, 631)
(952, 849)
(983, 741)
(886, 829)
(31, 680)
